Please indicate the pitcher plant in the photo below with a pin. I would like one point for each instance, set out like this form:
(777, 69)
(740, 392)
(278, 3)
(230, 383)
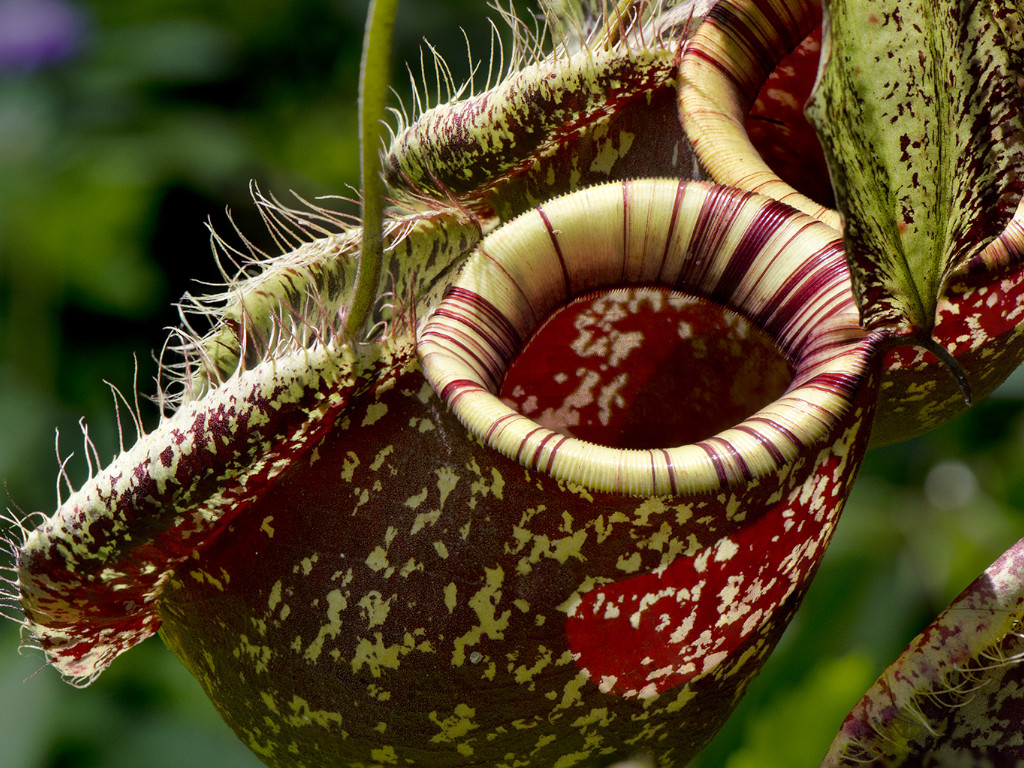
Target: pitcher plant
(533, 464)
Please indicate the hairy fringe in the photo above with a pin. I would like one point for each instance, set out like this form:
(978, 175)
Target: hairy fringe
(269, 306)
(16, 525)
(959, 687)
(222, 332)
(561, 29)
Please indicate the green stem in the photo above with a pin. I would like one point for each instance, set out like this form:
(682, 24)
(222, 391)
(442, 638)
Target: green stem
(373, 83)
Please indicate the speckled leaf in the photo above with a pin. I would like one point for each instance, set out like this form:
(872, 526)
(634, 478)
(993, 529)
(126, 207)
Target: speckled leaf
(280, 304)
(955, 696)
(918, 109)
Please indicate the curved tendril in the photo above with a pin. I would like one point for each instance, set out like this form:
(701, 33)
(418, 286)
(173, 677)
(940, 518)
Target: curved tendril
(373, 89)
(952, 365)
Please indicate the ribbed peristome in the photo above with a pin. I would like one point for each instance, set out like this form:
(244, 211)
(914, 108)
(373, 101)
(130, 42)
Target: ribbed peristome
(781, 269)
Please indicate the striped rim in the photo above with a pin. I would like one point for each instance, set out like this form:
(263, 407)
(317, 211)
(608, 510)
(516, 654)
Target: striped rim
(781, 269)
(724, 66)
(1004, 252)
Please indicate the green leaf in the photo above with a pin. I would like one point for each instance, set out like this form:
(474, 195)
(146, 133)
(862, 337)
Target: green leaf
(918, 109)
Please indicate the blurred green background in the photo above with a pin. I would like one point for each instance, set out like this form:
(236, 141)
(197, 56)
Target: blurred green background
(123, 129)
